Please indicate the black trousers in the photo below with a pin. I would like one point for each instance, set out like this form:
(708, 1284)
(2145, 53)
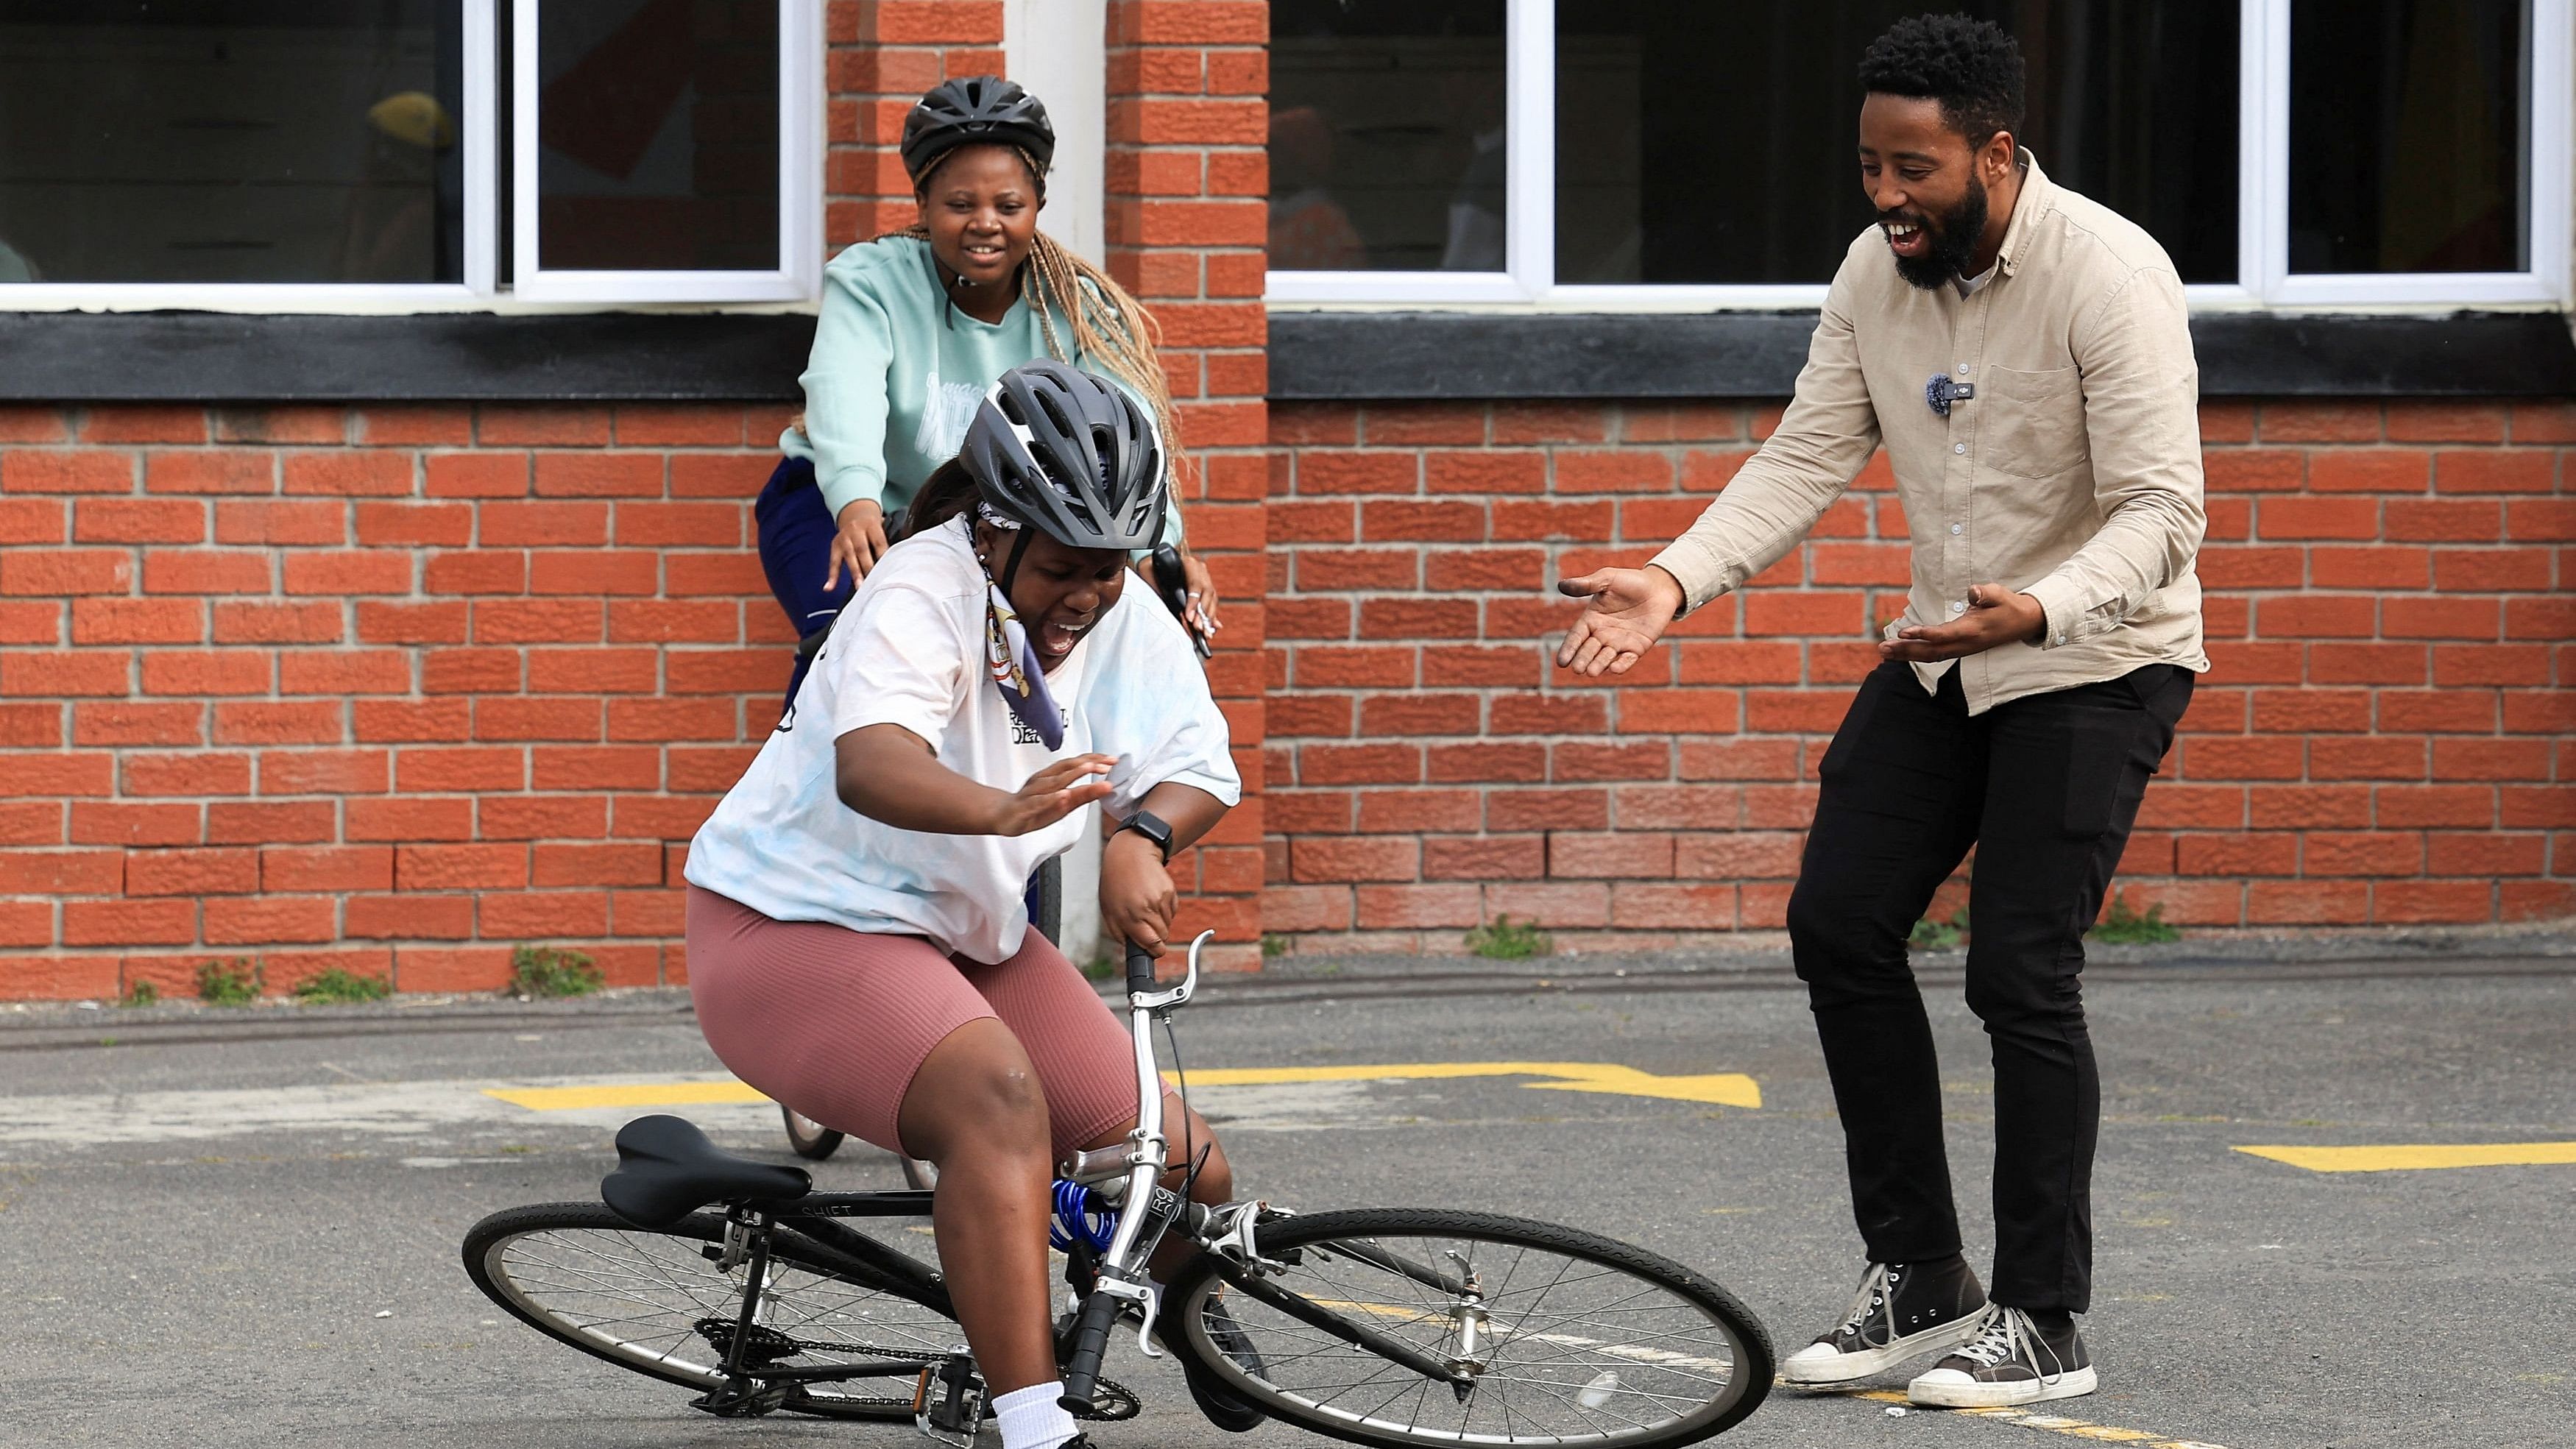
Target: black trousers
(2046, 788)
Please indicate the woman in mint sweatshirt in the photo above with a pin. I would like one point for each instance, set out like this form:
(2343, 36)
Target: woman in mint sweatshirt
(917, 324)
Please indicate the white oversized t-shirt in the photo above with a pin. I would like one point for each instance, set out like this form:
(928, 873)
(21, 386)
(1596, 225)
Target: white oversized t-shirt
(909, 651)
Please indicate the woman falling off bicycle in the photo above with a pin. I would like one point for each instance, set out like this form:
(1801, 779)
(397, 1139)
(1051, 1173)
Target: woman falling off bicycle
(858, 948)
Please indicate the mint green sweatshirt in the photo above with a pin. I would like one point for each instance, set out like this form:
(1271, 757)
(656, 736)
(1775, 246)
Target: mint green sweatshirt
(896, 374)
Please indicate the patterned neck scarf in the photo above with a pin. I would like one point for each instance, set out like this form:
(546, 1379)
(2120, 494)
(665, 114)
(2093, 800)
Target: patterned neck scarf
(1013, 661)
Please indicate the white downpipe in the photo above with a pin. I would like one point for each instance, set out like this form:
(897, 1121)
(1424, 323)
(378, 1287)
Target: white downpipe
(1058, 51)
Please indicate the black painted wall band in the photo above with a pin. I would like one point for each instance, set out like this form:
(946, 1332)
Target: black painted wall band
(1314, 356)
(1383, 355)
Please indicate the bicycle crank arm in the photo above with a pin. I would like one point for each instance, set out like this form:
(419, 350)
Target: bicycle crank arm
(1360, 1335)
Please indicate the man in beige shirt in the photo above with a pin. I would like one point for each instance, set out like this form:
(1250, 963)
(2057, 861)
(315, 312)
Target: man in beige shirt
(2025, 357)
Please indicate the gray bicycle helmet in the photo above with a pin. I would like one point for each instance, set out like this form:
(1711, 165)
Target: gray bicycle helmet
(1058, 450)
(972, 110)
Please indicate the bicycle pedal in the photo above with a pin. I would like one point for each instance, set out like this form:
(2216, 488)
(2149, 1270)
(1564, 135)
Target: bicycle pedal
(746, 1401)
(953, 1413)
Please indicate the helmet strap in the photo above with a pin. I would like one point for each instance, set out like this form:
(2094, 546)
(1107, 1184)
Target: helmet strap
(1011, 566)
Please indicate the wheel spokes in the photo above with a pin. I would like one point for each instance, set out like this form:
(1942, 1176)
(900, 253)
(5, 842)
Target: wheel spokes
(655, 1299)
(1566, 1349)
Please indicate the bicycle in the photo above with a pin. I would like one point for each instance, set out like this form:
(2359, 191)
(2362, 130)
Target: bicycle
(1393, 1327)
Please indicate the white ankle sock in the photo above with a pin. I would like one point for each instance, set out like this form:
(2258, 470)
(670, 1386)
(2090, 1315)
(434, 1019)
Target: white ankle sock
(1032, 1419)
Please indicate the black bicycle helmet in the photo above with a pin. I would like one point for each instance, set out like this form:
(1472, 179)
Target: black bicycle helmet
(971, 110)
(1058, 450)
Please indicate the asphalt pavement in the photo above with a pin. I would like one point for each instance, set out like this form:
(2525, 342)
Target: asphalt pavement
(235, 1227)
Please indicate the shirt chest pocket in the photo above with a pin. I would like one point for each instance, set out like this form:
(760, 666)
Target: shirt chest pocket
(2034, 421)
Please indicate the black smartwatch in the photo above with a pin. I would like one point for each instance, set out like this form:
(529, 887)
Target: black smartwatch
(1153, 827)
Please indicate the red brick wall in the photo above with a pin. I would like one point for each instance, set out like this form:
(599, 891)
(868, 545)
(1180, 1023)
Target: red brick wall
(2383, 738)
(1186, 219)
(386, 689)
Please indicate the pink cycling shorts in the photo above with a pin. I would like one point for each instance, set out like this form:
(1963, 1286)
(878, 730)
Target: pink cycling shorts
(834, 1022)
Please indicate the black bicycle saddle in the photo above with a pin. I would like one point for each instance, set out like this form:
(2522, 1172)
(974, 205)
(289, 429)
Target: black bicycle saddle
(667, 1169)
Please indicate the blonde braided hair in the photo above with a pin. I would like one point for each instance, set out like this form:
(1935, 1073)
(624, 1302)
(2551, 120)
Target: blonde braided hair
(1108, 323)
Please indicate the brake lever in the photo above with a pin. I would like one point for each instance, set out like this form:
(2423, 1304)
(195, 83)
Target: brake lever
(1178, 995)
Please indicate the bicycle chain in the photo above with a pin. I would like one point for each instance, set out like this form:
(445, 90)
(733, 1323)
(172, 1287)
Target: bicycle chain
(1111, 1402)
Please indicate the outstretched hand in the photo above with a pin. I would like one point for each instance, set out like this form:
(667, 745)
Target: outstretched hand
(1995, 616)
(1052, 794)
(1627, 612)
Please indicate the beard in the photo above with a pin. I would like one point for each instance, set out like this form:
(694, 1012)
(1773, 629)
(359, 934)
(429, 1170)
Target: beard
(1953, 237)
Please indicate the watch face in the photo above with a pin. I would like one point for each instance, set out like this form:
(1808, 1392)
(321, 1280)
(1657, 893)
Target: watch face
(1153, 828)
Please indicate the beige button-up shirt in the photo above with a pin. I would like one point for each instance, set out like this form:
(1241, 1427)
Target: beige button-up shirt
(2072, 474)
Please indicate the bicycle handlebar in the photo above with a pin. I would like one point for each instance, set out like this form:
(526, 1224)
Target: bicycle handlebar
(1140, 969)
(1090, 1341)
(1174, 585)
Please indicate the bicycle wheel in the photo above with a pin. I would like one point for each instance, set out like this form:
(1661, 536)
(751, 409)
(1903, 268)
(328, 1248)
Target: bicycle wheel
(810, 1139)
(655, 1302)
(1582, 1340)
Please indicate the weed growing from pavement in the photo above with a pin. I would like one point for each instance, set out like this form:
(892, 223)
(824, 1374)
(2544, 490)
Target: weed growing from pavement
(142, 993)
(228, 983)
(551, 971)
(337, 986)
(1273, 944)
(1099, 968)
(1931, 935)
(1502, 940)
(2125, 927)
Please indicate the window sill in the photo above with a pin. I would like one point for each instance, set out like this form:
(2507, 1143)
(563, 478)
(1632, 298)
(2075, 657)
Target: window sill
(1319, 356)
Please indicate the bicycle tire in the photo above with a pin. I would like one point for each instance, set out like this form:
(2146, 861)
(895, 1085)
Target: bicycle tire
(1327, 1386)
(898, 1325)
(808, 1138)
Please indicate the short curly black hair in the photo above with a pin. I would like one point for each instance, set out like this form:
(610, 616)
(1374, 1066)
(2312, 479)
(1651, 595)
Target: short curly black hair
(1970, 66)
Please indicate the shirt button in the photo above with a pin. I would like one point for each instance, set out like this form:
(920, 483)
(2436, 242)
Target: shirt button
(1963, 369)
(1957, 608)
(1958, 447)
(1958, 528)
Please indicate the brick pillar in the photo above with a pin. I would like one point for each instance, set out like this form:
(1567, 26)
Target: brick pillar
(884, 54)
(1187, 228)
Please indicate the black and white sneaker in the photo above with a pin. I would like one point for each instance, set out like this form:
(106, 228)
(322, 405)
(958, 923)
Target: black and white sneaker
(1902, 1311)
(2011, 1360)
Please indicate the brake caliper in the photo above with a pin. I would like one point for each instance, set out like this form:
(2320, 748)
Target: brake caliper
(1231, 1237)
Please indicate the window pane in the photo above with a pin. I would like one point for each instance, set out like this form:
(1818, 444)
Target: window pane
(2407, 136)
(1386, 135)
(657, 130)
(231, 141)
(1715, 144)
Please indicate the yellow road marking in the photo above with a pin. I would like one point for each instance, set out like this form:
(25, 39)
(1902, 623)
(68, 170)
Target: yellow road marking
(2418, 1157)
(625, 1094)
(2050, 1423)
(1724, 1089)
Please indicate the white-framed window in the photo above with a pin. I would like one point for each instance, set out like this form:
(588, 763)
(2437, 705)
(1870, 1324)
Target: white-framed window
(1640, 155)
(409, 155)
